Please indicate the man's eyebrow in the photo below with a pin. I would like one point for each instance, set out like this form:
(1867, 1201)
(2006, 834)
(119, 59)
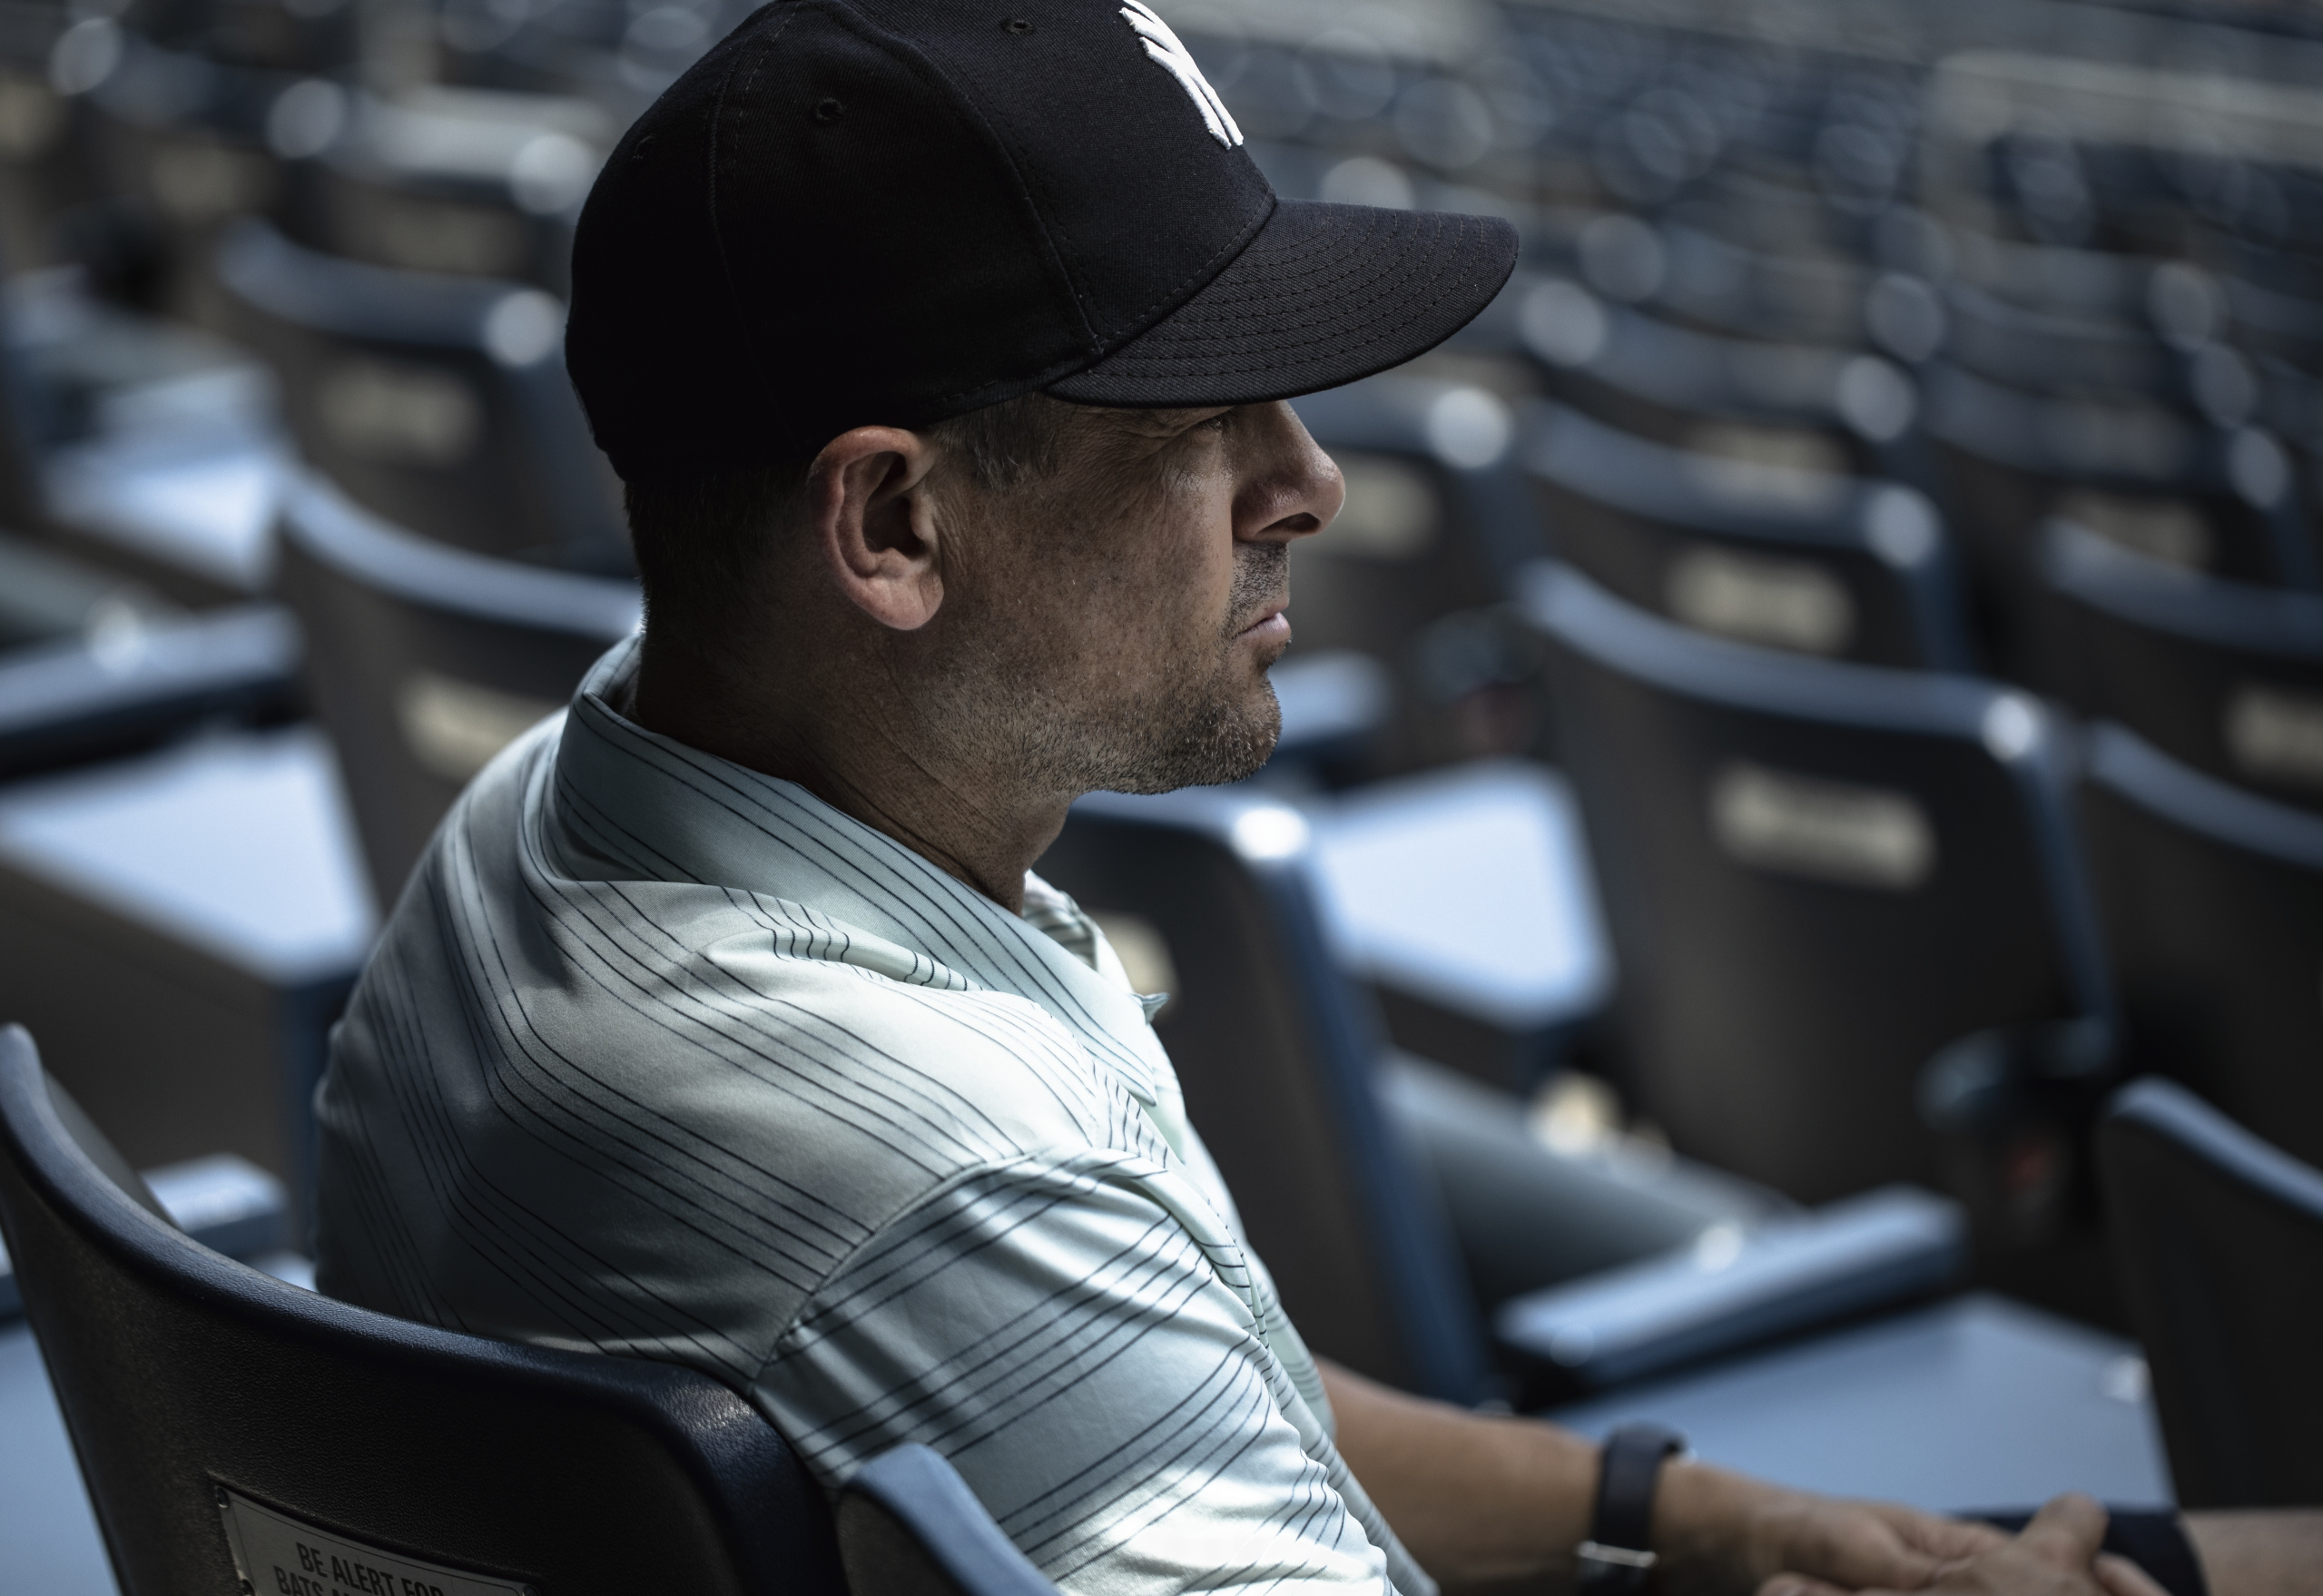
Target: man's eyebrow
(1176, 419)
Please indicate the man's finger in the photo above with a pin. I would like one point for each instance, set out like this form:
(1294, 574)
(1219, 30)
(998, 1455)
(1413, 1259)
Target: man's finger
(1950, 1540)
(2066, 1532)
(2120, 1577)
(1801, 1585)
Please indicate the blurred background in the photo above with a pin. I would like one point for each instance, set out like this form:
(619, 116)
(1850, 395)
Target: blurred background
(1813, 691)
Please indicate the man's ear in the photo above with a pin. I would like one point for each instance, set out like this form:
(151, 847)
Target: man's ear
(876, 524)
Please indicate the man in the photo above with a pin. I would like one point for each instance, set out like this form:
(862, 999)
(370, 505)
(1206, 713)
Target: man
(943, 351)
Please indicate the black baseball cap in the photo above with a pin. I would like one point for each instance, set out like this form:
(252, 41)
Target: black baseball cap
(890, 212)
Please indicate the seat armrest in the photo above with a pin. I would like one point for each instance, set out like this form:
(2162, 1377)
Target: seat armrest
(2013, 1110)
(1734, 1287)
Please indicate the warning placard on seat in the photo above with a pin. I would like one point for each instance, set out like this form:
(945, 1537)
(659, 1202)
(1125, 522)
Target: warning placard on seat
(278, 1555)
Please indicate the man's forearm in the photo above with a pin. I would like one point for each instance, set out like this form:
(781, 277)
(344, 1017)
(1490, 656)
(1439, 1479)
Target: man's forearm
(2276, 1551)
(1478, 1500)
(1483, 1501)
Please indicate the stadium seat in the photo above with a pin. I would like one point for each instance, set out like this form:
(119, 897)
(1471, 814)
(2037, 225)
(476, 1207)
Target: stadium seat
(1780, 555)
(436, 401)
(183, 137)
(471, 183)
(286, 36)
(1835, 409)
(137, 682)
(424, 660)
(1462, 897)
(1400, 1205)
(2224, 677)
(1276, 1053)
(1817, 876)
(226, 1203)
(216, 881)
(2089, 348)
(2004, 1404)
(45, 176)
(2099, 285)
(93, 666)
(482, 1466)
(2215, 501)
(2218, 1235)
(146, 447)
(1814, 298)
(908, 1526)
(1437, 520)
(2212, 899)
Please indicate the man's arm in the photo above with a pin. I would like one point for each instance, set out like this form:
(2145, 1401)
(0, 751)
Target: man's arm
(1483, 1501)
(2269, 1552)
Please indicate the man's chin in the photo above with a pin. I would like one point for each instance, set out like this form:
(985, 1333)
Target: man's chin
(1232, 744)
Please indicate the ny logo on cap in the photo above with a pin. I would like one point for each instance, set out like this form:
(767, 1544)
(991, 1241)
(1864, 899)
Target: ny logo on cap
(1165, 47)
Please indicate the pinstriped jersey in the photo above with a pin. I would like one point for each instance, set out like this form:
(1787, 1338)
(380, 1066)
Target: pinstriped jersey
(662, 1056)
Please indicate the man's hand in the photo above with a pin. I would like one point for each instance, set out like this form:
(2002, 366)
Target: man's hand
(1723, 1532)
(2056, 1555)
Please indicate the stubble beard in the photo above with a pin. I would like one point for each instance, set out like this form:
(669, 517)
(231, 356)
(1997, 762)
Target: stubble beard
(1208, 717)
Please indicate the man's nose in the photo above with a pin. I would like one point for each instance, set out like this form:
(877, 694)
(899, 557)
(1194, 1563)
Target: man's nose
(1294, 489)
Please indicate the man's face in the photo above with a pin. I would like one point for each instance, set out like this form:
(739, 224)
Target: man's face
(1108, 626)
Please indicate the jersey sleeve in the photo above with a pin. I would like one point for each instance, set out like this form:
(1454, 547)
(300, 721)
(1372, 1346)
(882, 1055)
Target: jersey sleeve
(1090, 1349)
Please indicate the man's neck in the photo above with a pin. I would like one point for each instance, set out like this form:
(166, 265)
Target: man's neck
(859, 754)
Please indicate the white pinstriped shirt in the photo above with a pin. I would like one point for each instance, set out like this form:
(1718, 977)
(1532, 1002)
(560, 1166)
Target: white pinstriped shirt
(659, 1056)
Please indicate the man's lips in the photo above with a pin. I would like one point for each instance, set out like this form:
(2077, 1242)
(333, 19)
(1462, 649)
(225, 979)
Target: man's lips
(1271, 623)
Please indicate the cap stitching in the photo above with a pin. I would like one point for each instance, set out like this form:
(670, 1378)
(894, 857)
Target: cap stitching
(1383, 291)
(1196, 280)
(1122, 380)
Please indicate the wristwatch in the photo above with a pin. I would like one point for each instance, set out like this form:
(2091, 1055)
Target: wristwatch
(1616, 1559)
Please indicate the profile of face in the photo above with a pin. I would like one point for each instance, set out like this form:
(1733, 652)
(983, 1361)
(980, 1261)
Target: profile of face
(1108, 626)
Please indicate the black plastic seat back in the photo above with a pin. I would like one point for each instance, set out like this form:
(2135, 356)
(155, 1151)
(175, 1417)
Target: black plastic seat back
(1674, 385)
(2213, 500)
(2212, 903)
(438, 402)
(423, 661)
(1437, 521)
(1278, 1054)
(2216, 501)
(2225, 676)
(455, 181)
(1818, 563)
(2218, 1237)
(198, 1392)
(179, 141)
(1816, 875)
(1813, 297)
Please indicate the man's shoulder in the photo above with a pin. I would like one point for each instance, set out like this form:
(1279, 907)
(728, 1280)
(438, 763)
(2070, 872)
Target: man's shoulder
(742, 1016)
(753, 1023)
(688, 1103)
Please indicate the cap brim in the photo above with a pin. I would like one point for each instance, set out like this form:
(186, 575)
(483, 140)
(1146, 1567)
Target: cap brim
(1323, 294)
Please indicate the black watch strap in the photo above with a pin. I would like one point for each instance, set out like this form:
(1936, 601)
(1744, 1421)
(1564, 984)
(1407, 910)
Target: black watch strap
(1618, 1557)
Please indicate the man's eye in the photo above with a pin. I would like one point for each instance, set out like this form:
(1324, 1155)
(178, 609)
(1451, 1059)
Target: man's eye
(1216, 423)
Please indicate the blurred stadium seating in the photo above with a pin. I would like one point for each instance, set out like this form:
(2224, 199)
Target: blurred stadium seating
(1921, 407)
